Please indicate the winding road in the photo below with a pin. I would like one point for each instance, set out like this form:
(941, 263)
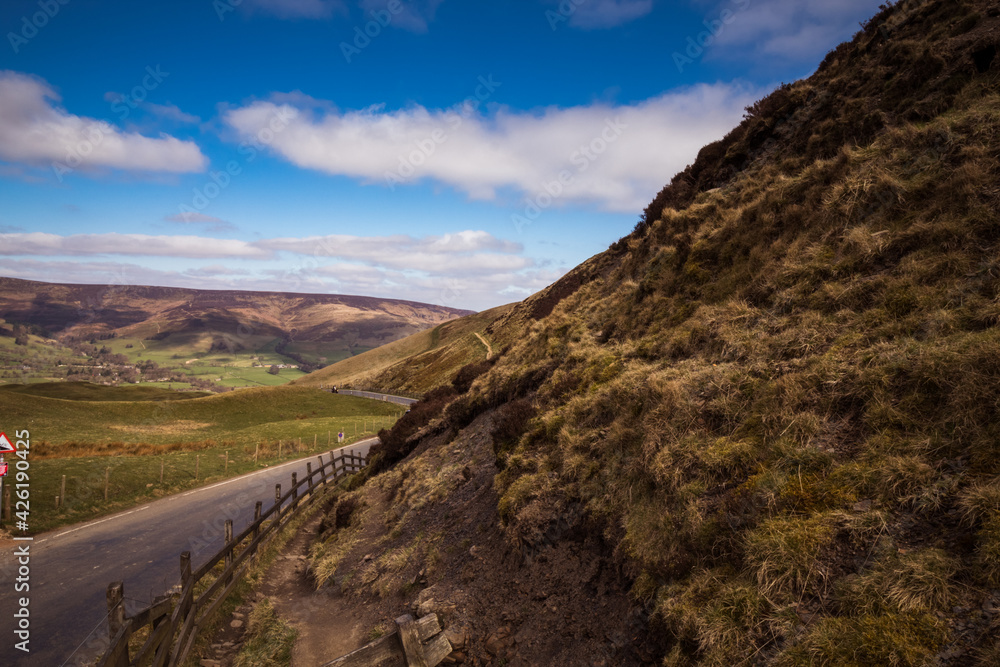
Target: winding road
(70, 568)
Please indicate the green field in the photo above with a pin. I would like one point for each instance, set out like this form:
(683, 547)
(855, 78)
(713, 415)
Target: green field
(193, 355)
(85, 391)
(190, 438)
(247, 416)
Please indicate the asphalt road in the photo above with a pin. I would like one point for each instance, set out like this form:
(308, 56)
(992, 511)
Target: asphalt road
(398, 400)
(70, 568)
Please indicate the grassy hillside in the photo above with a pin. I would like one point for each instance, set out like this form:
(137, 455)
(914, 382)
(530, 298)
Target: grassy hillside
(776, 401)
(416, 363)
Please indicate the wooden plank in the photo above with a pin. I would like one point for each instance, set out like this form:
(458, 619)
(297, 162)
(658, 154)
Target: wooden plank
(386, 648)
(437, 650)
(412, 647)
(151, 613)
(427, 626)
(117, 654)
(152, 642)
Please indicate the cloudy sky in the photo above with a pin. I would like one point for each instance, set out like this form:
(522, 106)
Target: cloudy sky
(459, 153)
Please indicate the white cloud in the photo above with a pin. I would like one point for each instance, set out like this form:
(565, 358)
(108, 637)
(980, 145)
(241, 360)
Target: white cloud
(415, 15)
(39, 243)
(215, 270)
(212, 224)
(468, 252)
(297, 9)
(193, 217)
(35, 132)
(800, 29)
(617, 157)
(469, 269)
(595, 14)
(171, 112)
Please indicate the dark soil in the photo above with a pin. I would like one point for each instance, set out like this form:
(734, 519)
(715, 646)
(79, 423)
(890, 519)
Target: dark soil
(552, 595)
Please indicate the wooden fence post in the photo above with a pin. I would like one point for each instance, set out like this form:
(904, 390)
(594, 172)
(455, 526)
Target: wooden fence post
(226, 472)
(117, 630)
(277, 501)
(256, 518)
(185, 579)
(116, 607)
(162, 460)
(322, 467)
(229, 548)
(295, 489)
(107, 481)
(279, 449)
(197, 460)
(309, 482)
(315, 440)
(256, 451)
(62, 489)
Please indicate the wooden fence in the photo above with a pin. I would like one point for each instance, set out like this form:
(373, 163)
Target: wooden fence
(174, 627)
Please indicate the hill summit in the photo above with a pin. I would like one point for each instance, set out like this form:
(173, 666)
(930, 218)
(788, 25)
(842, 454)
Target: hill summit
(763, 428)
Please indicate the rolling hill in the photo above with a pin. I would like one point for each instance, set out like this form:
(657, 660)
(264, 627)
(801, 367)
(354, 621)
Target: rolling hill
(416, 363)
(227, 338)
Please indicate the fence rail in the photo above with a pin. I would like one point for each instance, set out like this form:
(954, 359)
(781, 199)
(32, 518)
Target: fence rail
(174, 627)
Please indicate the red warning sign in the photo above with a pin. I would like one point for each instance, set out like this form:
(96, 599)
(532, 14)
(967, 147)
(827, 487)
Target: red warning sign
(3, 468)
(5, 445)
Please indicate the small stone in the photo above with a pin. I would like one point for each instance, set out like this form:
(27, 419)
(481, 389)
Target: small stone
(227, 645)
(236, 624)
(238, 615)
(457, 635)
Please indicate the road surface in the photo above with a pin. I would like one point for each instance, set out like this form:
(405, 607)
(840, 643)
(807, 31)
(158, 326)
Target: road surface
(398, 400)
(70, 568)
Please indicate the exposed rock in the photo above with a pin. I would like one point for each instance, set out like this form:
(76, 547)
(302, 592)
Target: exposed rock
(457, 634)
(498, 641)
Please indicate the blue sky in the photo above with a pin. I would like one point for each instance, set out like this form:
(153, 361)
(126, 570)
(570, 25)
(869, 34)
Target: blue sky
(459, 153)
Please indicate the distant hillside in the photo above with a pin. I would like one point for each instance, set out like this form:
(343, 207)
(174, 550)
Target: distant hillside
(215, 330)
(762, 429)
(418, 362)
